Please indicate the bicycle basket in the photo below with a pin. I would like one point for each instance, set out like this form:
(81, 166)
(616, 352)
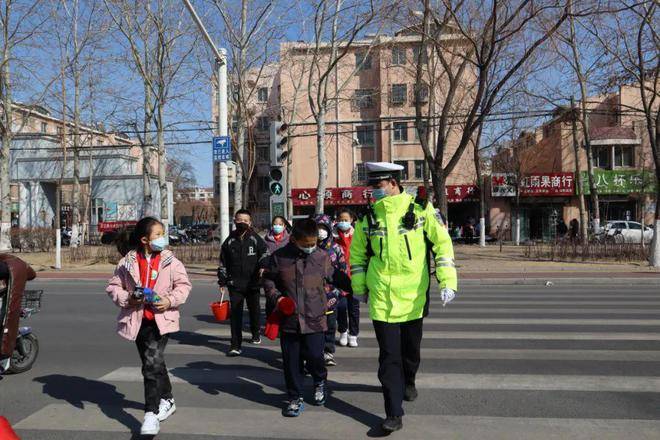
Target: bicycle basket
(32, 300)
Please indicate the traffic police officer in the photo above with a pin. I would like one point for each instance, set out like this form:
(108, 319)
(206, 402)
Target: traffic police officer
(390, 266)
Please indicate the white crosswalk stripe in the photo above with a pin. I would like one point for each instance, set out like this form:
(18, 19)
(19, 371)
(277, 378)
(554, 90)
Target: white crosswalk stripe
(536, 346)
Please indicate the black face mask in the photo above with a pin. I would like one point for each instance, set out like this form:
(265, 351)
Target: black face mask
(242, 227)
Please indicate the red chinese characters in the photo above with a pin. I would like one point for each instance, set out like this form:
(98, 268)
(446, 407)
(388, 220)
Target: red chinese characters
(357, 195)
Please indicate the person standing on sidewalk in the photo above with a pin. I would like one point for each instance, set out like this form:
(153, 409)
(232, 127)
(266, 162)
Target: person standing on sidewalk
(390, 267)
(277, 237)
(241, 257)
(348, 309)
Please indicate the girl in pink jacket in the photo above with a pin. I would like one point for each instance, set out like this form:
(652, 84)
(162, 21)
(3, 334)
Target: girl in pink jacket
(149, 285)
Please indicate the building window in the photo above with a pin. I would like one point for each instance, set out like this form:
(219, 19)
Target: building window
(398, 56)
(44, 127)
(366, 135)
(623, 156)
(361, 173)
(364, 98)
(234, 124)
(400, 132)
(420, 169)
(362, 61)
(602, 156)
(425, 56)
(422, 93)
(404, 171)
(263, 123)
(398, 94)
(60, 131)
(262, 94)
(422, 130)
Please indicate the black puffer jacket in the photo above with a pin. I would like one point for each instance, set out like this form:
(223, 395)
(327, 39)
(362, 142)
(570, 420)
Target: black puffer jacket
(240, 259)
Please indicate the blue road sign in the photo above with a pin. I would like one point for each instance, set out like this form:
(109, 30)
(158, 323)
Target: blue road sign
(221, 148)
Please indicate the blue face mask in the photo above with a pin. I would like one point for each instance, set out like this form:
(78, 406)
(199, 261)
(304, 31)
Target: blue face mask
(378, 193)
(278, 229)
(158, 244)
(307, 250)
(344, 226)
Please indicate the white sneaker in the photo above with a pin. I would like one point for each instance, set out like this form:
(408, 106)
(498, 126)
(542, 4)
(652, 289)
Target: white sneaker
(151, 425)
(343, 339)
(166, 409)
(352, 341)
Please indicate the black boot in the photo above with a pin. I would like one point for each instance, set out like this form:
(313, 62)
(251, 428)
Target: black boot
(410, 393)
(392, 423)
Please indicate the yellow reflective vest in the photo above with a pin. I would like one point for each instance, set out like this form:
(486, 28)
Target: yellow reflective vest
(396, 276)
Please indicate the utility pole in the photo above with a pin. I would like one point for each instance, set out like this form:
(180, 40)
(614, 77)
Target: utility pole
(221, 123)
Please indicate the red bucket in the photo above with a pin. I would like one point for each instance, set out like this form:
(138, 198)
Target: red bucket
(6, 433)
(220, 310)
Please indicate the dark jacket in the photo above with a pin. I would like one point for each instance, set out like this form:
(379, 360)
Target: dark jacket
(240, 260)
(290, 272)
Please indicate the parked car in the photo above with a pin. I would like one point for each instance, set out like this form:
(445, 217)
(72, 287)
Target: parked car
(631, 232)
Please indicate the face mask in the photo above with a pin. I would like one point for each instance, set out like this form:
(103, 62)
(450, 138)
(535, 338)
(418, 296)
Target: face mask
(323, 234)
(278, 229)
(344, 226)
(242, 227)
(378, 193)
(158, 244)
(307, 250)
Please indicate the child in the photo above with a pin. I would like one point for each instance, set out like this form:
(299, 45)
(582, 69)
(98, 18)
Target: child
(300, 271)
(348, 309)
(148, 320)
(334, 295)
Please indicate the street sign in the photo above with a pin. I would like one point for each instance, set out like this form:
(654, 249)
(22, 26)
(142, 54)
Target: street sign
(221, 148)
(276, 188)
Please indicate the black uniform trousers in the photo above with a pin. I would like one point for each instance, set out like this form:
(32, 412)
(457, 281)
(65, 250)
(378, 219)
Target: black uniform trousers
(151, 347)
(398, 360)
(237, 300)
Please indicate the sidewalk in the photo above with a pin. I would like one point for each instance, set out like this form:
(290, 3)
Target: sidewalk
(476, 265)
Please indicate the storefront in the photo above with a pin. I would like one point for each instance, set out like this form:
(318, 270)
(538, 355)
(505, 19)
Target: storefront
(355, 198)
(543, 200)
(462, 204)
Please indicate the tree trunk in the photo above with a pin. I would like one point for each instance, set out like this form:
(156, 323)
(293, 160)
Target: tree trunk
(584, 227)
(75, 197)
(240, 163)
(146, 153)
(322, 161)
(438, 179)
(7, 137)
(162, 166)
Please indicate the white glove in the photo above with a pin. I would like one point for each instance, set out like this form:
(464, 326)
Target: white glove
(446, 295)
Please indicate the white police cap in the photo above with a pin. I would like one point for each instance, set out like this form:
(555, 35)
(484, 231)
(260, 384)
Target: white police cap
(377, 171)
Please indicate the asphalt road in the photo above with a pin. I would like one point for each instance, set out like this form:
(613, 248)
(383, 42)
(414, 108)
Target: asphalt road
(501, 362)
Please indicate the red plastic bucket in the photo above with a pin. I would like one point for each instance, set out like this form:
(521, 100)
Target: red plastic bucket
(220, 310)
(6, 433)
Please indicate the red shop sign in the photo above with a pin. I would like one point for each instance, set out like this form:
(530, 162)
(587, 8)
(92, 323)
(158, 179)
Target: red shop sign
(552, 184)
(356, 195)
(462, 193)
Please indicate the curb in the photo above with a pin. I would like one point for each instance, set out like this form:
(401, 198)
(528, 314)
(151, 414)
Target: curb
(560, 281)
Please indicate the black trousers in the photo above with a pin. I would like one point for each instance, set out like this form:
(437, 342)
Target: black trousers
(151, 347)
(297, 348)
(237, 300)
(398, 360)
(330, 333)
(348, 315)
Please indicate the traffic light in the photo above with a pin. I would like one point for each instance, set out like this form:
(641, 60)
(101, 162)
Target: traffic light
(278, 141)
(276, 187)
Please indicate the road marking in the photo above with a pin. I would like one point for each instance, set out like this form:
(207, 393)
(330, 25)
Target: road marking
(322, 423)
(536, 382)
(224, 332)
(449, 353)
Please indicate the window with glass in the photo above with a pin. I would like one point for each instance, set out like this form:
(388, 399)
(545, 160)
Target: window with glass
(404, 171)
(623, 156)
(366, 135)
(398, 56)
(420, 169)
(263, 123)
(419, 133)
(602, 156)
(262, 94)
(400, 132)
(425, 56)
(364, 98)
(44, 127)
(399, 93)
(422, 93)
(362, 61)
(361, 172)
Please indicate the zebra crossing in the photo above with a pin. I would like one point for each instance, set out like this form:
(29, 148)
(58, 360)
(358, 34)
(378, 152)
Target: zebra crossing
(507, 362)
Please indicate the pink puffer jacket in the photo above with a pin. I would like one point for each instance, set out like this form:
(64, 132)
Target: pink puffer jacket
(172, 283)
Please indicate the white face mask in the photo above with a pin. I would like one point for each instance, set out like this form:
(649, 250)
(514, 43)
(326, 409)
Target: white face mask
(323, 234)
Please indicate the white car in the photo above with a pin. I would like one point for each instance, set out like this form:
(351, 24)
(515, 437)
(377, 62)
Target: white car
(630, 231)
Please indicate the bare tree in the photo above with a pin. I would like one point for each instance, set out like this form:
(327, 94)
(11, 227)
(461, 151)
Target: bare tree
(481, 51)
(631, 41)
